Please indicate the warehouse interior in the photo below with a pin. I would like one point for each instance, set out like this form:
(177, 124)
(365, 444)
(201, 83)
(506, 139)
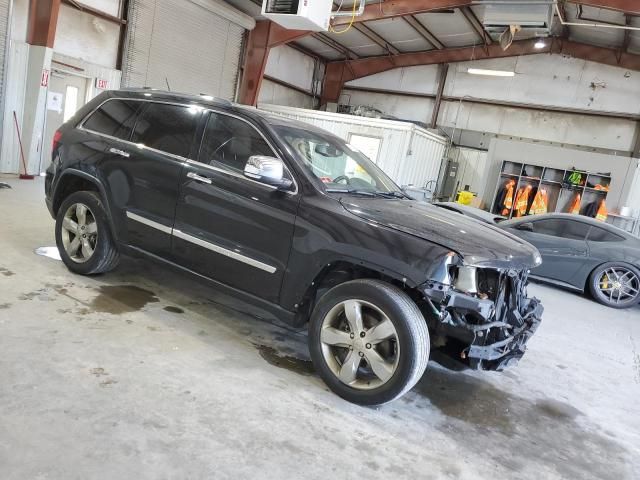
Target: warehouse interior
(493, 110)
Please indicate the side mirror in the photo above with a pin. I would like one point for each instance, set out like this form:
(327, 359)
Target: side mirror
(267, 170)
(526, 227)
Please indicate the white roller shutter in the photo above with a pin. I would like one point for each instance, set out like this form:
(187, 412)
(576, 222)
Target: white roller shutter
(194, 46)
(4, 46)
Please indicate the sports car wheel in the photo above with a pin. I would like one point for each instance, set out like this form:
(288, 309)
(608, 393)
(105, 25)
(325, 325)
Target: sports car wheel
(369, 341)
(615, 285)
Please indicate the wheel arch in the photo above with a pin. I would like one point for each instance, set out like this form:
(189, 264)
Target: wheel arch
(344, 270)
(71, 181)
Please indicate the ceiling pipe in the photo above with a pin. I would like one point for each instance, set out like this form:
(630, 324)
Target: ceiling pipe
(593, 25)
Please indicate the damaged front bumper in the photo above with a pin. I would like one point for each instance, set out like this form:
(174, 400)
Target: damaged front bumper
(486, 331)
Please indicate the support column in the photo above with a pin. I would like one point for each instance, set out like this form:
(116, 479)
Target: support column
(43, 18)
(335, 76)
(442, 80)
(261, 40)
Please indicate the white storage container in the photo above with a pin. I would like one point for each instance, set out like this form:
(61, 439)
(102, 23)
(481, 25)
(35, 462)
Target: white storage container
(409, 154)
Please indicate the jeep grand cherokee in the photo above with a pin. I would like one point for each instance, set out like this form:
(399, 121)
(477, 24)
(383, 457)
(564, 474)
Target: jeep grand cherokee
(293, 219)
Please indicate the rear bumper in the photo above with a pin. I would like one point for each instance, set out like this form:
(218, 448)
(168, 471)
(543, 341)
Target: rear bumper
(487, 334)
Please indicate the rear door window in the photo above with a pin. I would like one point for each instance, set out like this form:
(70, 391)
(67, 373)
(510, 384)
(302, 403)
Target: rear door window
(114, 118)
(168, 128)
(598, 234)
(556, 227)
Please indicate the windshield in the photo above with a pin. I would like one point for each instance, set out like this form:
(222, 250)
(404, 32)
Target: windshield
(340, 167)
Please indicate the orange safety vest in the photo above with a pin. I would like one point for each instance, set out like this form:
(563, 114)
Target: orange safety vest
(540, 203)
(522, 201)
(508, 198)
(575, 204)
(602, 212)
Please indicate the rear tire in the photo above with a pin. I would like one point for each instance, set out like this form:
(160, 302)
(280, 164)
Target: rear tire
(368, 341)
(83, 235)
(616, 285)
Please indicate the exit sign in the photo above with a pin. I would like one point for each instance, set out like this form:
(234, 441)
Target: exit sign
(102, 84)
(44, 80)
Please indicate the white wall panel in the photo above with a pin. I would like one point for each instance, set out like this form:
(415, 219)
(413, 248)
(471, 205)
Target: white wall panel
(599, 132)
(276, 94)
(407, 108)
(421, 79)
(84, 36)
(19, 21)
(290, 66)
(112, 7)
(554, 80)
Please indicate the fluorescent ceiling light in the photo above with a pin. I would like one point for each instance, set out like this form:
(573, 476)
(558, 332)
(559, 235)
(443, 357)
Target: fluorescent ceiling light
(540, 44)
(491, 73)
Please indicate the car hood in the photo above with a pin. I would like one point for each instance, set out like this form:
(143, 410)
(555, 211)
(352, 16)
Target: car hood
(478, 243)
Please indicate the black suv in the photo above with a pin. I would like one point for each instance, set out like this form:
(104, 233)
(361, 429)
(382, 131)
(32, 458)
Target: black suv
(295, 220)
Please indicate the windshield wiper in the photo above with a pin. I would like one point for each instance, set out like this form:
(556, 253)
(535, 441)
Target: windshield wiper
(352, 191)
(368, 193)
(393, 194)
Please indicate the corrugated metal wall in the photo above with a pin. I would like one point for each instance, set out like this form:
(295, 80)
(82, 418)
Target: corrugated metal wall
(408, 154)
(5, 23)
(14, 86)
(192, 47)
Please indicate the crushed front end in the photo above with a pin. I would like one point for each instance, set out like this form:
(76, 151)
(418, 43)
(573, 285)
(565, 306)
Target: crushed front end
(481, 317)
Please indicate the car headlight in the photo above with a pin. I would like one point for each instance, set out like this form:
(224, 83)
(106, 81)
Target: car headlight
(467, 280)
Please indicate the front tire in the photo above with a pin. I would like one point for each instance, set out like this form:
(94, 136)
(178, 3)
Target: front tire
(369, 341)
(615, 285)
(83, 235)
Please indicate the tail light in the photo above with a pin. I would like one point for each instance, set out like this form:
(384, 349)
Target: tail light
(56, 140)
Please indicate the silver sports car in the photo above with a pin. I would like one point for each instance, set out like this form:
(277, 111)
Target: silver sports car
(582, 254)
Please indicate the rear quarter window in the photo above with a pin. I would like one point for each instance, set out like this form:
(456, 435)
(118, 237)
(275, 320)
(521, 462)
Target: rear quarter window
(114, 118)
(598, 234)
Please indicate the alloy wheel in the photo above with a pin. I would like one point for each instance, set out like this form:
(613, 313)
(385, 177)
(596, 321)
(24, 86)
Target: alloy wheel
(360, 344)
(618, 285)
(79, 232)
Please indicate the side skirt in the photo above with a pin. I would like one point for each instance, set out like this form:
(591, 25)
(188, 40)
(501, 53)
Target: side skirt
(555, 283)
(276, 311)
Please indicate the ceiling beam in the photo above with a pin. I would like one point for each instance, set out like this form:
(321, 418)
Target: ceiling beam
(627, 6)
(399, 8)
(423, 32)
(337, 73)
(377, 39)
(42, 22)
(476, 25)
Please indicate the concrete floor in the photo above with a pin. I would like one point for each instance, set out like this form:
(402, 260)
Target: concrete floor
(144, 373)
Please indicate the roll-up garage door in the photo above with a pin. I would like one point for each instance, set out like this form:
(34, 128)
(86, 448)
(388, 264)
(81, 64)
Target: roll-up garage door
(4, 44)
(190, 46)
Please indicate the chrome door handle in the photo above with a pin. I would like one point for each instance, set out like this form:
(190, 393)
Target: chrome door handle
(117, 151)
(198, 178)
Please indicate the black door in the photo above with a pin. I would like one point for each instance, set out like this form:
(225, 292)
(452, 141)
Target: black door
(144, 173)
(228, 227)
(562, 245)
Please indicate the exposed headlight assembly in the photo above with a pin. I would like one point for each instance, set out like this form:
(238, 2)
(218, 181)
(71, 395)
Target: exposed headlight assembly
(467, 280)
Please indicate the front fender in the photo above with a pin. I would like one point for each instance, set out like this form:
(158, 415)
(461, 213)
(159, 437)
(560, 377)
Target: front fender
(324, 236)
